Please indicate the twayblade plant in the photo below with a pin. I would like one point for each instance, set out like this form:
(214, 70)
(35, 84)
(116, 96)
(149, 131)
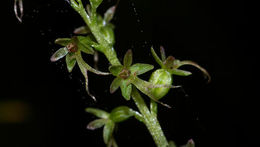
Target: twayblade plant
(98, 36)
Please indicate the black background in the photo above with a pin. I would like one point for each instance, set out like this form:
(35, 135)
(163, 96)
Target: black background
(215, 34)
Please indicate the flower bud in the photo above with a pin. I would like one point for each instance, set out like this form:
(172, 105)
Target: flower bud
(160, 77)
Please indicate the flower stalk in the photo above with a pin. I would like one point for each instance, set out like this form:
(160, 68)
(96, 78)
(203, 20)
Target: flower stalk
(150, 120)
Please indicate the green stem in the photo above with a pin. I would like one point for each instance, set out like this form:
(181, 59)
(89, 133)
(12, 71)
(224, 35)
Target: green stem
(150, 120)
(111, 56)
(153, 108)
(108, 50)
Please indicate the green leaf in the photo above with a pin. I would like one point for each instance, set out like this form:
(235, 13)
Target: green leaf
(95, 3)
(120, 114)
(115, 70)
(98, 123)
(82, 30)
(128, 58)
(140, 68)
(59, 54)
(157, 59)
(179, 72)
(97, 112)
(108, 131)
(70, 61)
(126, 89)
(63, 41)
(109, 14)
(115, 84)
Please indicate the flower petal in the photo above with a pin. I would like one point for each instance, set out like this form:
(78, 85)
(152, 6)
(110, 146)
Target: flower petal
(98, 123)
(109, 14)
(115, 84)
(128, 58)
(120, 114)
(97, 112)
(179, 72)
(140, 68)
(163, 56)
(155, 56)
(70, 61)
(108, 131)
(126, 89)
(82, 30)
(85, 44)
(169, 62)
(63, 41)
(59, 54)
(116, 69)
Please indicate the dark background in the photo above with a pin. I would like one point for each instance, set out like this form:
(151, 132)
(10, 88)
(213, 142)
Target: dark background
(215, 34)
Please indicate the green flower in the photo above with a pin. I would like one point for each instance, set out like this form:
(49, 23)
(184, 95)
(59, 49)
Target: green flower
(109, 120)
(71, 46)
(169, 66)
(72, 50)
(172, 65)
(126, 73)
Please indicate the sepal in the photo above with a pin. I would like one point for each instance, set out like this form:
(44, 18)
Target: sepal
(70, 61)
(59, 54)
(98, 112)
(95, 124)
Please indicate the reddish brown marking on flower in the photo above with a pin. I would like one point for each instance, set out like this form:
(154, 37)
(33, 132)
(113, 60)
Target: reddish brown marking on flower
(124, 74)
(169, 62)
(72, 47)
